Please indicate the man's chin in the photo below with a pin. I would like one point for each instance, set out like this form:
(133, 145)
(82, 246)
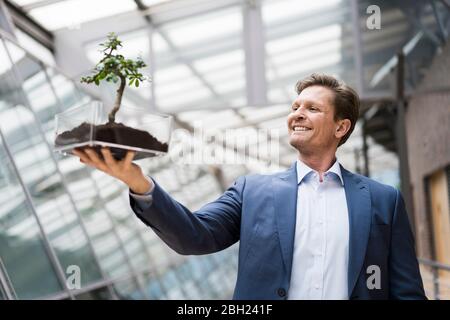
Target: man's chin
(298, 144)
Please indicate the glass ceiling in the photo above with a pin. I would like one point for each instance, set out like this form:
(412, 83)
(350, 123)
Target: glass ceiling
(197, 56)
(80, 11)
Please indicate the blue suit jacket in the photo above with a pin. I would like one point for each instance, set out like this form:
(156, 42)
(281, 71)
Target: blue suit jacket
(260, 212)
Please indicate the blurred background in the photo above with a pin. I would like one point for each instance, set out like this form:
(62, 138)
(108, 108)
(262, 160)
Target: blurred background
(232, 64)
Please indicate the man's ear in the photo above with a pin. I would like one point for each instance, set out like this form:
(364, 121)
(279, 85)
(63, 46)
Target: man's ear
(342, 128)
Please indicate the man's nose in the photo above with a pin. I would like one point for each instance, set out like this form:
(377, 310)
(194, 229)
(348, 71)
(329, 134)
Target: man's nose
(299, 114)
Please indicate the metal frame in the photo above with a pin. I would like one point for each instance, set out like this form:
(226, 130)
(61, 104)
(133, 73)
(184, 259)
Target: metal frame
(5, 283)
(401, 140)
(255, 70)
(95, 285)
(365, 148)
(443, 30)
(435, 267)
(413, 15)
(6, 21)
(357, 42)
(30, 26)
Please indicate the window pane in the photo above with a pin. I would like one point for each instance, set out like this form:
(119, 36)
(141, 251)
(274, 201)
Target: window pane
(68, 95)
(303, 37)
(80, 184)
(200, 61)
(33, 158)
(21, 247)
(31, 45)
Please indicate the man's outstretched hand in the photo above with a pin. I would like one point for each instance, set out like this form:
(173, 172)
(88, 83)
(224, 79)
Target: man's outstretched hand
(124, 170)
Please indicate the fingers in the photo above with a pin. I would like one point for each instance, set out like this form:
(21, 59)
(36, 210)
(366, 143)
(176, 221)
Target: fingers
(95, 160)
(84, 158)
(109, 164)
(109, 159)
(129, 158)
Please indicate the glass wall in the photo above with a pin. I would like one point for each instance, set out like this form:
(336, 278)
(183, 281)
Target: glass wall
(21, 239)
(25, 122)
(56, 213)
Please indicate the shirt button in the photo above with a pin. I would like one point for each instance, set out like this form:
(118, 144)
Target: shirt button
(317, 286)
(320, 222)
(281, 292)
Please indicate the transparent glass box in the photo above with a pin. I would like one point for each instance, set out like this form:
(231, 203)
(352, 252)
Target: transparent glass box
(147, 133)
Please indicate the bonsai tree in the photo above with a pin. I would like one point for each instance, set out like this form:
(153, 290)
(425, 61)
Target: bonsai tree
(114, 67)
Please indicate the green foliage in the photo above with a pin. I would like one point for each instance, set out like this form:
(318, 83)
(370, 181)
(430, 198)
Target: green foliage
(114, 67)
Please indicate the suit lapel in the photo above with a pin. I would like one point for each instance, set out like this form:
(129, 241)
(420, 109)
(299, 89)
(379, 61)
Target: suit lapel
(359, 209)
(285, 196)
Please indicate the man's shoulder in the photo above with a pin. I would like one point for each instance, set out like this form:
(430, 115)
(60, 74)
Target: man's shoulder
(376, 186)
(257, 180)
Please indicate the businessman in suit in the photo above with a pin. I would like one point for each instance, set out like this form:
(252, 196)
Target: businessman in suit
(315, 231)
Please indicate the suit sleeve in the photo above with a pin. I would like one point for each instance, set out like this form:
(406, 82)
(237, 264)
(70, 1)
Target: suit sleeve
(405, 280)
(212, 228)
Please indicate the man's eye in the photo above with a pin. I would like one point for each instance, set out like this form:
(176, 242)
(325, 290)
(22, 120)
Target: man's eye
(313, 109)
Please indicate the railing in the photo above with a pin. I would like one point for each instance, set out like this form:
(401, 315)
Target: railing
(440, 282)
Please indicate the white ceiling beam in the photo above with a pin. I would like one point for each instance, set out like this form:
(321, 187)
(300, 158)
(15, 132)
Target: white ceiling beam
(253, 38)
(39, 4)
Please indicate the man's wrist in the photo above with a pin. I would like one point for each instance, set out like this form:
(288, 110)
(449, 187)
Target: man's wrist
(143, 186)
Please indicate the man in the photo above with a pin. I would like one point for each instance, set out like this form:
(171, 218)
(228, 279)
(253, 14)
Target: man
(315, 231)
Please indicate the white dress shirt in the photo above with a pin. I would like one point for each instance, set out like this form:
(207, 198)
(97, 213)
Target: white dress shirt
(321, 245)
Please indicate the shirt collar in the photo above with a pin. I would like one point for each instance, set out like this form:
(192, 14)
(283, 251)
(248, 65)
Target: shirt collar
(303, 170)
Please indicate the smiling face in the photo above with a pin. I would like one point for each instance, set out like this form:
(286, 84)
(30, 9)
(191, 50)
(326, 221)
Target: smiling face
(311, 124)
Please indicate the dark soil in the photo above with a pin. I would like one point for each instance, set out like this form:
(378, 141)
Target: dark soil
(114, 133)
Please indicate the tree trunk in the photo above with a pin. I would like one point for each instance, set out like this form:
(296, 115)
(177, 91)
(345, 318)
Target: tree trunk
(118, 101)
